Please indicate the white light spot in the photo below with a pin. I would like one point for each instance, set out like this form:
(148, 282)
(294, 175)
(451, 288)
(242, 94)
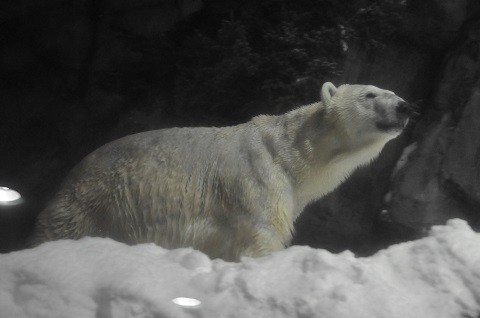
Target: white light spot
(9, 196)
(186, 302)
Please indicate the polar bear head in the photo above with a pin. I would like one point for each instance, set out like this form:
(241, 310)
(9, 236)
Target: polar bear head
(365, 110)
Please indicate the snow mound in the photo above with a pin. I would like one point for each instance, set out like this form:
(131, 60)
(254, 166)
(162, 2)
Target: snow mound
(438, 276)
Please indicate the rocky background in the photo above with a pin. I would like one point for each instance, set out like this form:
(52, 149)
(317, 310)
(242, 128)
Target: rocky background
(432, 173)
(77, 74)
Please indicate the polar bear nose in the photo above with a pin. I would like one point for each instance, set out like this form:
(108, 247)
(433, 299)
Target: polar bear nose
(403, 108)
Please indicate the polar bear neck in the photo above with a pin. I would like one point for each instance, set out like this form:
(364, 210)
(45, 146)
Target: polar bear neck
(316, 153)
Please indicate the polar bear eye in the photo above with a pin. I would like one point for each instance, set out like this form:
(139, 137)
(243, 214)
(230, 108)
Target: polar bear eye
(370, 95)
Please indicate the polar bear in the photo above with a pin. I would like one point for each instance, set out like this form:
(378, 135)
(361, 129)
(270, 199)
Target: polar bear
(231, 191)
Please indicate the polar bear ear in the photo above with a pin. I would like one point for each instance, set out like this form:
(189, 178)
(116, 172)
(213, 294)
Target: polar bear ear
(328, 91)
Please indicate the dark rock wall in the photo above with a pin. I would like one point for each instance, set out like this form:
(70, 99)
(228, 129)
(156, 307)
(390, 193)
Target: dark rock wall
(442, 179)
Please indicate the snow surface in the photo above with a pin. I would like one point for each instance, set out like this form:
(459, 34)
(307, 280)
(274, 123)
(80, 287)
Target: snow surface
(437, 276)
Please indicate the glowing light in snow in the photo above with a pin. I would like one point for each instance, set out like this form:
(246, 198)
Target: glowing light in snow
(9, 196)
(186, 302)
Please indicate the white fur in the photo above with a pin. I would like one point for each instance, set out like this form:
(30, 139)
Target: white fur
(231, 191)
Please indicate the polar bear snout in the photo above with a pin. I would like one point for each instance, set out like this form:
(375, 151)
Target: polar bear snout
(403, 108)
(406, 109)
(393, 115)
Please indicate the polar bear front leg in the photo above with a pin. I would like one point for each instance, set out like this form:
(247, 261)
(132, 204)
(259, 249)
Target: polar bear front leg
(264, 246)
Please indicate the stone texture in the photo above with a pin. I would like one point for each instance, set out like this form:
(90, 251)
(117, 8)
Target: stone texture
(442, 181)
(459, 74)
(419, 198)
(462, 161)
(434, 24)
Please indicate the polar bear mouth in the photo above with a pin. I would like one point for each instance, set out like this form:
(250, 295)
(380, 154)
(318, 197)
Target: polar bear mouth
(387, 126)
